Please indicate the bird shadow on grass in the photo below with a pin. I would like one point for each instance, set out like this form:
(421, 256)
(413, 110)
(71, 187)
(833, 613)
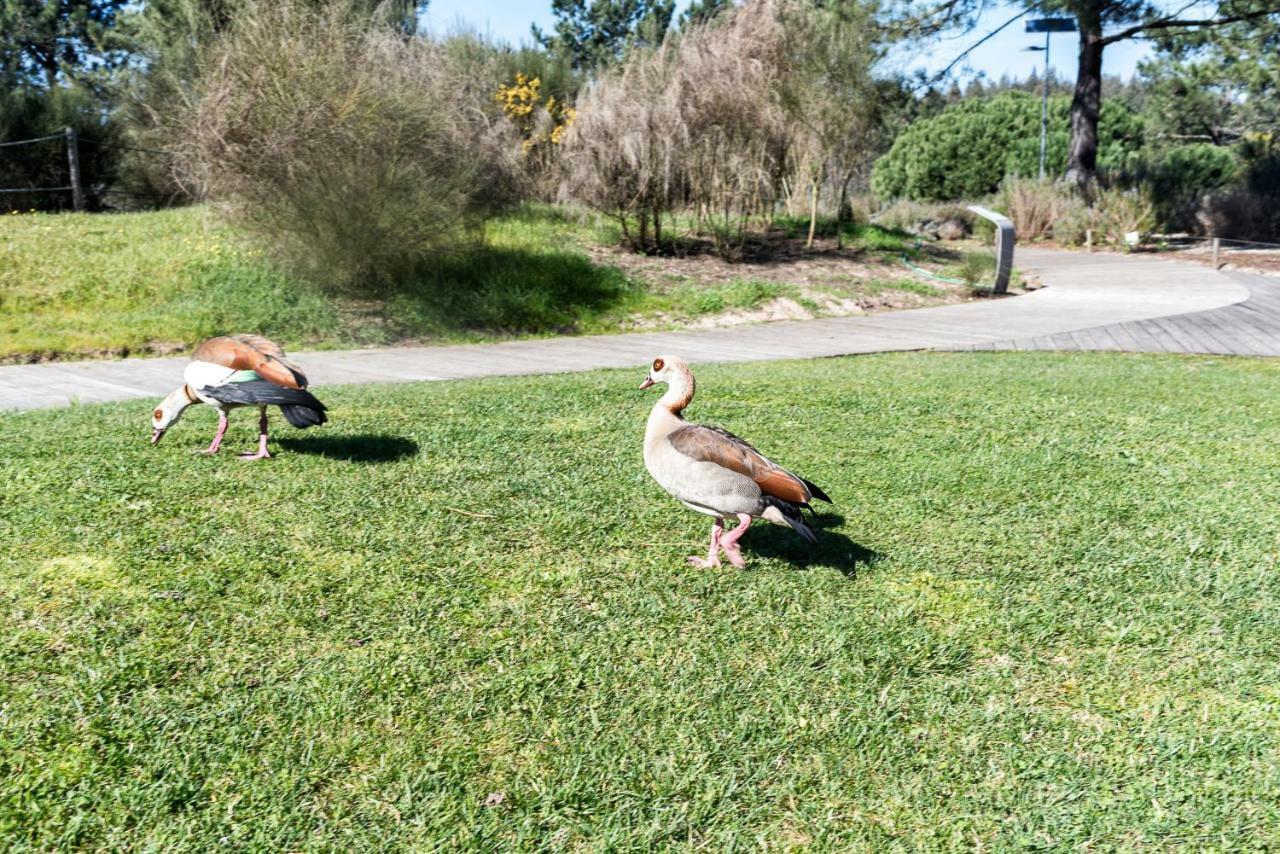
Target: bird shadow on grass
(365, 448)
(833, 549)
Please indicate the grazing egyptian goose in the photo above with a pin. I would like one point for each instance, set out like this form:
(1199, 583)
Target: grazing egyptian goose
(712, 471)
(240, 370)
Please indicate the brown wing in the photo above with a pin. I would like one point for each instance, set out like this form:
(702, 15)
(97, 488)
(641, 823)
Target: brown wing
(714, 445)
(265, 346)
(240, 353)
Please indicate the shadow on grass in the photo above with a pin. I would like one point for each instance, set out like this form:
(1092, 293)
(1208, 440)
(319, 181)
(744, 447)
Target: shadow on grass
(509, 290)
(368, 449)
(833, 549)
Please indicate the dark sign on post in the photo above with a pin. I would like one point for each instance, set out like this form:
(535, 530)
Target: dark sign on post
(1051, 25)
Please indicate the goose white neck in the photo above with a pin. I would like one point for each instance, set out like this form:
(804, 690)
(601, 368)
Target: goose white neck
(679, 393)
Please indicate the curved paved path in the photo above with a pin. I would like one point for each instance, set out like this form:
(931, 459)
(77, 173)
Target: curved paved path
(1091, 301)
(1249, 328)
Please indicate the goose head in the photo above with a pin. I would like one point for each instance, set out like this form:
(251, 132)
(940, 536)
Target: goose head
(168, 412)
(675, 372)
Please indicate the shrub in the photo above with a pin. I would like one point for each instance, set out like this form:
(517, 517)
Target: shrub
(968, 149)
(355, 154)
(1031, 205)
(1182, 177)
(977, 269)
(1040, 209)
(696, 122)
(906, 215)
(1249, 210)
(1122, 212)
(1072, 222)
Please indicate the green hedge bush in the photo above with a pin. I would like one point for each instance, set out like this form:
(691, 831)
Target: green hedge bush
(1182, 176)
(968, 149)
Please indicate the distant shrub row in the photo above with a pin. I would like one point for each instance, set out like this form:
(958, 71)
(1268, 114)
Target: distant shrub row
(969, 148)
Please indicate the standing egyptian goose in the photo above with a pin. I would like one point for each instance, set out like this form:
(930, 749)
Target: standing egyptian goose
(714, 472)
(240, 370)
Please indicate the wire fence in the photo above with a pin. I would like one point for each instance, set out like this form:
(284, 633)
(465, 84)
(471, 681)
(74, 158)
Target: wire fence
(75, 186)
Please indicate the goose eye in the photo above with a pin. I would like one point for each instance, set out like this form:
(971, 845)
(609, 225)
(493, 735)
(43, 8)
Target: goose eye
(658, 364)
(158, 414)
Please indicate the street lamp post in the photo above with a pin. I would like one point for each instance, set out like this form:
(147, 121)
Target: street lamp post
(1047, 26)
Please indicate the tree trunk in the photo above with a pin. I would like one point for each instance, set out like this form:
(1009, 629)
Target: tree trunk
(1082, 159)
(813, 211)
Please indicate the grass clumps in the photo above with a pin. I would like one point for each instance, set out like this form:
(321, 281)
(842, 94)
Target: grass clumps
(738, 295)
(1041, 617)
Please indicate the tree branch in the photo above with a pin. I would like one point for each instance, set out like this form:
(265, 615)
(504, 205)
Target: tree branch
(970, 49)
(1170, 23)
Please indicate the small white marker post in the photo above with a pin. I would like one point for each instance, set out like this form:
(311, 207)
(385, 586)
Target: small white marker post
(1004, 246)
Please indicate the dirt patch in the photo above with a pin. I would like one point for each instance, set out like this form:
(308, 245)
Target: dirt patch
(824, 265)
(151, 348)
(825, 281)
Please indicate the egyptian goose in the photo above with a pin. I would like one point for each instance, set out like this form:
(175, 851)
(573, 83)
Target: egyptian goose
(712, 471)
(240, 370)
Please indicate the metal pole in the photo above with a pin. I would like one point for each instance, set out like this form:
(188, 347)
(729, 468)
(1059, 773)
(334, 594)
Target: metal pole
(1044, 105)
(1216, 244)
(73, 160)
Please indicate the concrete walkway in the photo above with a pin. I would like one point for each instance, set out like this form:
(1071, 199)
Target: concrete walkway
(1084, 292)
(1249, 328)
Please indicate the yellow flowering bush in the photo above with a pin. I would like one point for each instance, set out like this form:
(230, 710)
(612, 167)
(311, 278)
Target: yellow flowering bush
(538, 121)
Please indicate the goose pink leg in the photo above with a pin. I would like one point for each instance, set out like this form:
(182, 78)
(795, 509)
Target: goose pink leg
(713, 556)
(730, 542)
(217, 437)
(261, 453)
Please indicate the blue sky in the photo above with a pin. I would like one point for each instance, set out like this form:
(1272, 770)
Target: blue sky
(509, 20)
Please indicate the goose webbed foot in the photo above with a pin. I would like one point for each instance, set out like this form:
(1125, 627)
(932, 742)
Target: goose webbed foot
(713, 554)
(217, 437)
(261, 453)
(729, 545)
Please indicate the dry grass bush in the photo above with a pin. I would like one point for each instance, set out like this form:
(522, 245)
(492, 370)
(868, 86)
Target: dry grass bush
(1073, 221)
(1032, 205)
(906, 215)
(697, 123)
(356, 154)
(1121, 212)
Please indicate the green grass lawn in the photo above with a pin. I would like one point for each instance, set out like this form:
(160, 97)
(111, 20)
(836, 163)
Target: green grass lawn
(91, 285)
(76, 285)
(1043, 615)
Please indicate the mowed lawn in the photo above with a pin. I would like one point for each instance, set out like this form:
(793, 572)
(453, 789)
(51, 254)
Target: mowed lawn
(1044, 614)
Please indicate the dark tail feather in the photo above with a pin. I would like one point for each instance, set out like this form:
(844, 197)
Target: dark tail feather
(792, 516)
(817, 491)
(303, 417)
(298, 377)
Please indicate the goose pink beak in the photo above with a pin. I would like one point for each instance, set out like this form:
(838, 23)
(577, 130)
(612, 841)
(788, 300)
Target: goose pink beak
(648, 381)
(155, 436)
